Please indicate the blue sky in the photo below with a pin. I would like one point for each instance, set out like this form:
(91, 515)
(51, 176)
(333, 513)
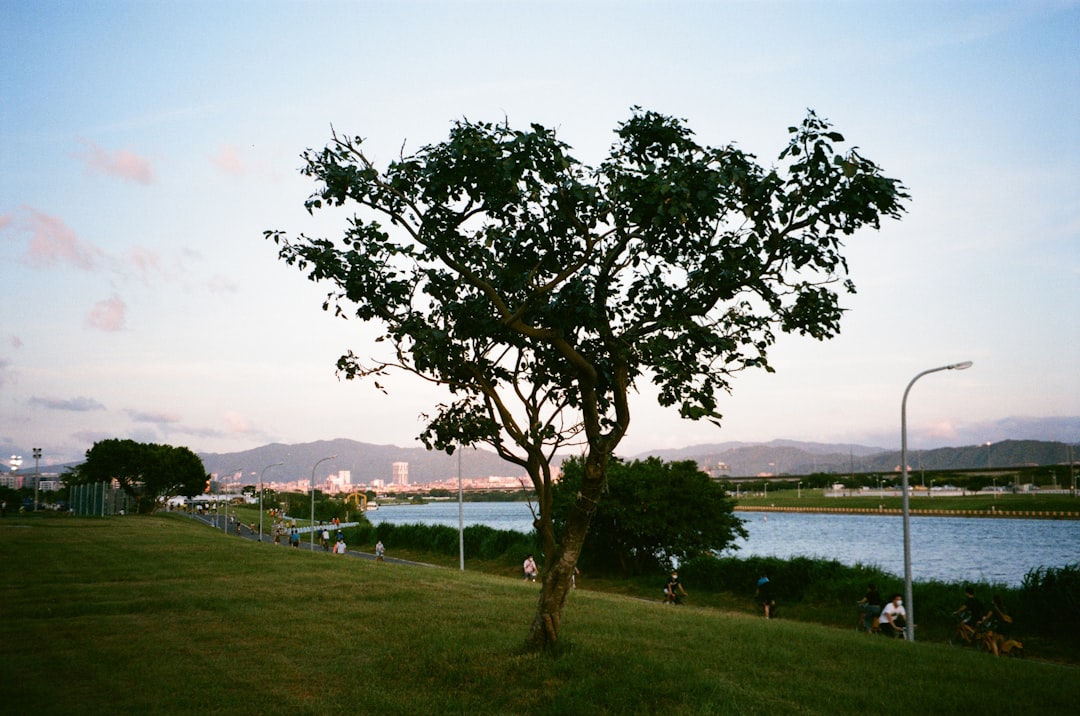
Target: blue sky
(145, 147)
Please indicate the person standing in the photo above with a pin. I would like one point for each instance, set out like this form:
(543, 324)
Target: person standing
(339, 548)
(294, 538)
(765, 597)
(379, 550)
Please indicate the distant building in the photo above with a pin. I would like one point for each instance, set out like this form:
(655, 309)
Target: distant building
(400, 471)
(340, 481)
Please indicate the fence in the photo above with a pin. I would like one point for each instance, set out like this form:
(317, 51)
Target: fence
(99, 500)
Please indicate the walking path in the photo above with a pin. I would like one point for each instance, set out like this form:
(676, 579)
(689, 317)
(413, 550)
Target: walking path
(247, 533)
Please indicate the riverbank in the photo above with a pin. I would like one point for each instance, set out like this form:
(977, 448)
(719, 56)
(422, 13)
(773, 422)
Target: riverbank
(917, 512)
(1033, 505)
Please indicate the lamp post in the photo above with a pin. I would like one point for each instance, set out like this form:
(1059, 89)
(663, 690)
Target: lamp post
(798, 493)
(909, 626)
(37, 476)
(261, 496)
(225, 487)
(460, 514)
(313, 499)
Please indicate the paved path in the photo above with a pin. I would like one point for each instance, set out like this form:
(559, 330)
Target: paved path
(247, 533)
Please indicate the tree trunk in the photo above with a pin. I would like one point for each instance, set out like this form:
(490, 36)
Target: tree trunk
(559, 566)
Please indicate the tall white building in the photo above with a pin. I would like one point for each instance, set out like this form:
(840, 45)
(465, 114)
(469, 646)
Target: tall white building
(340, 481)
(400, 473)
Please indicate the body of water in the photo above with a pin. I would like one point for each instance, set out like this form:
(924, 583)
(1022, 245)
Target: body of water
(948, 549)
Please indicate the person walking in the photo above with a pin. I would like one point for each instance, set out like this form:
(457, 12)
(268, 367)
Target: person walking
(765, 596)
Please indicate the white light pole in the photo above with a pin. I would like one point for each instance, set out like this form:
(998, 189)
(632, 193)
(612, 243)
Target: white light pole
(909, 624)
(261, 496)
(313, 499)
(37, 476)
(460, 513)
(226, 489)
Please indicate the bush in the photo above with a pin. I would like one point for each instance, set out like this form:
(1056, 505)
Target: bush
(481, 541)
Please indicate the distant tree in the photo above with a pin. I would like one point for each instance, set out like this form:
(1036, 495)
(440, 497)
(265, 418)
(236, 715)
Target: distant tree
(540, 291)
(653, 515)
(147, 472)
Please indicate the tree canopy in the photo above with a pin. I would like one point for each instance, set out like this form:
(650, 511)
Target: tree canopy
(148, 472)
(653, 515)
(540, 291)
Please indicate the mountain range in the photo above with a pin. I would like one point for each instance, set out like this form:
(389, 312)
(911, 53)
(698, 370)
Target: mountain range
(367, 462)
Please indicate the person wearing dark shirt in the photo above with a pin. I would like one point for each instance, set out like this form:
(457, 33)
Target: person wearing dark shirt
(674, 592)
(870, 607)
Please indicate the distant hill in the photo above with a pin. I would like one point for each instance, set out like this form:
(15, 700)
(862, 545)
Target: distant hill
(365, 461)
(369, 462)
(795, 458)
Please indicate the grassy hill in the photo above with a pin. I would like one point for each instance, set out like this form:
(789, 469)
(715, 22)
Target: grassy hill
(159, 615)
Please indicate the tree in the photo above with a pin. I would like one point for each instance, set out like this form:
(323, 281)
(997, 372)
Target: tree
(540, 291)
(653, 514)
(145, 471)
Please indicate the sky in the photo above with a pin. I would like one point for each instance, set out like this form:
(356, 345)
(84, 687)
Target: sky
(146, 146)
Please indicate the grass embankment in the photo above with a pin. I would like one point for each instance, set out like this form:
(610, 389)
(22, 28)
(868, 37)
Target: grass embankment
(162, 615)
(1006, 505)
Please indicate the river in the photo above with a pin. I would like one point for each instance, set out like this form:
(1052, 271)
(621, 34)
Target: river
(947, 549)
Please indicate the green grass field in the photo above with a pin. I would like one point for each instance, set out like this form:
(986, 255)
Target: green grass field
(160, 615)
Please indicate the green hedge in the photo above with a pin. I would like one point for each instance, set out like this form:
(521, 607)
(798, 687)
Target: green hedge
(481, 541)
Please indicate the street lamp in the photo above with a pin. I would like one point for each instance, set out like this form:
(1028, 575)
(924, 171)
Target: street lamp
(37, 476)
(460, 514)
(909, 625)
(261, 495)
(226, 488)
(313, 498)
(798, 493)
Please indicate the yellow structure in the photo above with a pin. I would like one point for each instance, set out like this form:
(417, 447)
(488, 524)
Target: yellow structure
(359, 499)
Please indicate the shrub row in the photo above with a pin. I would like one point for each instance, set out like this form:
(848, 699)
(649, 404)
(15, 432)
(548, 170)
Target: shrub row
(481, 541)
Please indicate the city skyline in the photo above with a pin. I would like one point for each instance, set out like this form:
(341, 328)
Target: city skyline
(146, 147)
